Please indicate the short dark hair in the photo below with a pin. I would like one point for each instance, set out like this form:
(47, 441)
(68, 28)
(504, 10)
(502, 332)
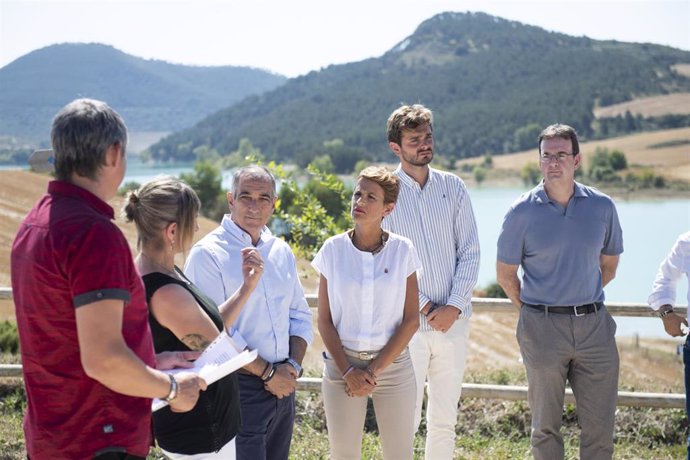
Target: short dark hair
(408, 117)
(82, 133)
(558, 130)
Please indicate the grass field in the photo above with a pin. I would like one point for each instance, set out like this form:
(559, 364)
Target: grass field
(654, 106)
(666, 152)
(487, 429)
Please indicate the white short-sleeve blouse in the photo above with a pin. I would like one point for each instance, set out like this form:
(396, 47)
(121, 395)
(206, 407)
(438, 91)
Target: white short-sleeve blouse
(366, 291)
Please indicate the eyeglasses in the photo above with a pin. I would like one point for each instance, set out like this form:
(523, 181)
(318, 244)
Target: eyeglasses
(560, 157)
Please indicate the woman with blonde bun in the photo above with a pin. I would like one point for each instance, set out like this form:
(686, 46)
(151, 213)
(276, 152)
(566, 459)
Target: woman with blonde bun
(181, 317)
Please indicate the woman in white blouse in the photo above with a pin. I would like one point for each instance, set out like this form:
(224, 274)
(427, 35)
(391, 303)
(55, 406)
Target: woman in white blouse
(368, 312)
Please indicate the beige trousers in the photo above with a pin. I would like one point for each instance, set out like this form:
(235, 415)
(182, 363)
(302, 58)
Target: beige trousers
(394, 405)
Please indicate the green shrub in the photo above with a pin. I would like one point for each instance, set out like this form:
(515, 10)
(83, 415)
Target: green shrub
(9, 339)
(495, 291)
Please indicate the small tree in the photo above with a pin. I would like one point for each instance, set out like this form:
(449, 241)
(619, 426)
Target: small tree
(530, 173)
(127, 186)
(360, 165)
(488, 161)
(495, 291)
(245, 154)
(525, 138)
(323, 163)
(307, 219)
(617, 160)
(479, 174)
(206, 180)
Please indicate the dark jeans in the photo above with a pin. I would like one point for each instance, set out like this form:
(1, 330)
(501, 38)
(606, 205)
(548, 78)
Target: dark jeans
(686, 361)
(267, 422)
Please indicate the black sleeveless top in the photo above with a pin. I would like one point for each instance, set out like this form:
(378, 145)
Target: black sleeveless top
(215, 419)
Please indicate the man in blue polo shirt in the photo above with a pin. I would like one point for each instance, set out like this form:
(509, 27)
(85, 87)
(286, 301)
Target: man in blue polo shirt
(567, 239)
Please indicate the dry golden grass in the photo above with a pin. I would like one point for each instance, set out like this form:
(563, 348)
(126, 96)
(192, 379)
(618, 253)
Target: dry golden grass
(19, 191)
(654, 106)
(672, 162)
(682, 69)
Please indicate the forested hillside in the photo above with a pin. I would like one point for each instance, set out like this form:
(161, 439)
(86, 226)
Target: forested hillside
(151, 95)
(492, 84)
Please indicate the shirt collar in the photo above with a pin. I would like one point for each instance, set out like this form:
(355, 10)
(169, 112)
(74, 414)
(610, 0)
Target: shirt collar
(231, 227)
(542, 197)
(407, 180)
(58, 187)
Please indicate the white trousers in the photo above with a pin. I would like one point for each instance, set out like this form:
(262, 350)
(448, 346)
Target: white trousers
(439, 359)
(226, 453)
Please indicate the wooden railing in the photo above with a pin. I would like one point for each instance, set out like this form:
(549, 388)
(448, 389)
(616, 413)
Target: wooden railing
(475, 390)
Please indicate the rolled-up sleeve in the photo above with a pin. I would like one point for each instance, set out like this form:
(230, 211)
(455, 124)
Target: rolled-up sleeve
(300, 313)
(676, 263)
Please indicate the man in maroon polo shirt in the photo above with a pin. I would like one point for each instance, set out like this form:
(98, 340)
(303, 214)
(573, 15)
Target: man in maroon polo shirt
(86, 347)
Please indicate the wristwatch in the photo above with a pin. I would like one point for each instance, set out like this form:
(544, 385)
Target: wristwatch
(297, 367)
(665, 310)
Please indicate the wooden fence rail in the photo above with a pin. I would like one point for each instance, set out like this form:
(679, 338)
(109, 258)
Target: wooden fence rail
(475, 390)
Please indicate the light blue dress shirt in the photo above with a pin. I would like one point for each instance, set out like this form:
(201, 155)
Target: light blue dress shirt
(276, 310)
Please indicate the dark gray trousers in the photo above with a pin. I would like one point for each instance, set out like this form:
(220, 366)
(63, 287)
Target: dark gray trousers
(581, 350)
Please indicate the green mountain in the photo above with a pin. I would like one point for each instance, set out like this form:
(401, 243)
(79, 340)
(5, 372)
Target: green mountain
(150, 95)
(490, 82)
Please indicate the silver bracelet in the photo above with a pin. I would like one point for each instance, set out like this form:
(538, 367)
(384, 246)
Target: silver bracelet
(172, 394)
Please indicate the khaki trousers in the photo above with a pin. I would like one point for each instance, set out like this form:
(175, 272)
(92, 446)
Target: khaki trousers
(394, 405)
(581, 350)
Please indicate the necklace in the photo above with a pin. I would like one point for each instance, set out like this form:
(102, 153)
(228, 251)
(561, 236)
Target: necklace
(375, 249)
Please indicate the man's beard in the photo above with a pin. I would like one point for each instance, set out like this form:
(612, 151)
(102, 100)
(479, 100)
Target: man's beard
(418, 160)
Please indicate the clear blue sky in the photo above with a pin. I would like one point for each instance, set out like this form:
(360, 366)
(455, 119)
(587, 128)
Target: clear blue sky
(293, 37)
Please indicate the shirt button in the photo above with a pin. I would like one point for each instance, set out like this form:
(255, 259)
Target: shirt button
(99, 295)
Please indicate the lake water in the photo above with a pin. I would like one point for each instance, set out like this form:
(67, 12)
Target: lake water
(650, 227)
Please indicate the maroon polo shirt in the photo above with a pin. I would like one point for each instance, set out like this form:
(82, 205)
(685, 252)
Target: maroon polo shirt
(68, 253)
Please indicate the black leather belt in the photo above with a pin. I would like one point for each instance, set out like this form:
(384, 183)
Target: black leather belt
(577, 310)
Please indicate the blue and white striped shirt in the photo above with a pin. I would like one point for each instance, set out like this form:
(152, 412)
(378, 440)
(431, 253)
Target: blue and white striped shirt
(440, 222)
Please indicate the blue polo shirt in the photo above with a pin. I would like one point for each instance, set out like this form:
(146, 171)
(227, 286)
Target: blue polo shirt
(558, 248)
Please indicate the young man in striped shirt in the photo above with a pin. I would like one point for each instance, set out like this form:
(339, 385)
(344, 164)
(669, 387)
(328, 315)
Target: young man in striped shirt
(435, 212)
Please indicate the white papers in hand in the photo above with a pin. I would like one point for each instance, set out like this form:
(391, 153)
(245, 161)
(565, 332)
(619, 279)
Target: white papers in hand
(223, 356)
